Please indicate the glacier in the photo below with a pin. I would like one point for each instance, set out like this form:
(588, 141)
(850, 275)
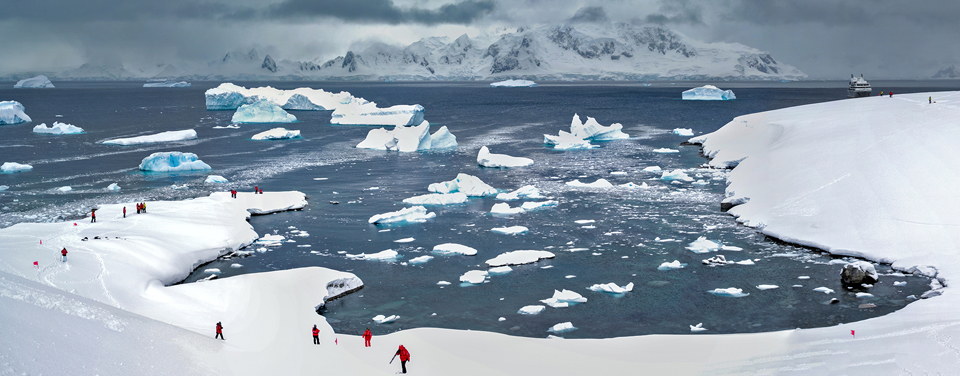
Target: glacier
(262, 111)
(172, 161)
(11, 112)
(187, 134)
(514, 83)
(167, 84)
(57, 128)
(276, 134)
(708, 93)
(38, 82)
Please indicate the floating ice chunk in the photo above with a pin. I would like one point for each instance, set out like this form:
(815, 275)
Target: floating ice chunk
(562, 299)
(701, 182)
(387, 255)
(732, 292)
(171, 161)
(65, 188)
(512, 230)
(469, 185)
(900, 283)
(631, 185)
(228, 96)
(113, 187)
(487, 159)
(404, 240)
(276, 134)
(652, 169)
(698, 328)
(415, 214)
(262, 111)
(271, 240)
(170, 136)
(671, 265)
(675, 175)
(420, 260)
(514, 83)
(12, 112)
(180, 187)
(562, 327)
(600, 183)
(591, 130)
(611, 288)
(864, 295)
(12, 167)
(401, 138)
(567, 141)
(502, 319)
(767, 287)
(443, 283)
(500, 270)
(236, 266)
(212, 271)
(359, 111)
(58, 128)
(708, 93)
(449, 249)
(803, 277)
(519, 257)
(443, 139)
(746, 262)
(824, 290)
(531, 310)
(167, 84)
(4, 187)
(381, 319)
(527, 191)
(618, 173)
(702, 245)
(716, 260)
(228, 126)
(505, 209)
(665, 151)
(730, 248)
(686, 132)
(38, 82)
(584, 221)
(216, 179)
(534, 205)
(475, 277)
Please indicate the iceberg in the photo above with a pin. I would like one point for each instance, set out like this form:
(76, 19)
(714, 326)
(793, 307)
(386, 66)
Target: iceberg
(652, 169)
(381, 319)
(38, 82)
(825, 290)
(359, 111)
(567, 141)
(437, 199)
(401, 138)
(519, 257)
(415, 214)
(531, 309)
(169, 136)
(475, 277)
(65, 188)
(562, 327)
(11, 167)
(487, 159)
(592, 130)
(216, 179)
(686, 132)
(708, 93)
(527, 191)
(172, 161)
(611, 288)
(113, 187)
(563, 299)
(228, 96)
(514, 83)
(675, 175)
(420, 260)
(443, 139)
(671, 265)
(11, 112)
(534, 205)
(167, 84)
(731, 292)
(702, 245)
(503, 208)
(767, 287)
(469, 185)
(665, 151)
(387, 255)
(262, 111)
(698, 328)
(449, 249)
(512, 230)
(57, 128)
(600, 183)
(276, 134)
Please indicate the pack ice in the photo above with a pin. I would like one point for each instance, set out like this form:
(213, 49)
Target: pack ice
(11, 112)
(172, 161)
(262, 111)
(38, 82)
(169, 136)
(57, 128)
(487, 159)
(409, 139)
(167, 84)
(276, 134)
(708, 93)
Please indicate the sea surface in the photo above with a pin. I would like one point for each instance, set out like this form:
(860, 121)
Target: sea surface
(632, 231)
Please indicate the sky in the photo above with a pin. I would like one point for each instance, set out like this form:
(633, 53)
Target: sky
(825, 39)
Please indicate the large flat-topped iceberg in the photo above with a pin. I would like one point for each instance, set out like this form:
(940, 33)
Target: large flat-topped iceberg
(11, 112)
(228, 96)
(408, 138)
(514, 83)
(167, 84)
(58, 128)
(708, 93)
(262, 111)
(38, 82)
(359, 111)
(172, 161)
(487, 159)
(169, 136)
(276, 134)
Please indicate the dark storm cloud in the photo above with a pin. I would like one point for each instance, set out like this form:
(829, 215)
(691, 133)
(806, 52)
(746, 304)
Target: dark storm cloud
(843, 13)
(677, 12)
(590, 14)
(381, 11)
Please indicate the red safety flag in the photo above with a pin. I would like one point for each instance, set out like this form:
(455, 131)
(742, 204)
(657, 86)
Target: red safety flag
(36, 263)
(853, 333)
(335, 341)
(41, 241)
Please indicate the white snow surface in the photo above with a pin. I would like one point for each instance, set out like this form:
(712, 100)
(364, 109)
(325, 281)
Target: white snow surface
(12, 167)
(167, 84)
(172, 161)
(169, 136)
(487, 159)
(262, 111)
(414, 214)
(514, 83)
(437, 199)
(57, 128)
(409, 138)
(276, 134)
(12, 112)
(38, 82)
(708, 93)
(449, 249)
(469, 185)
(519, 257)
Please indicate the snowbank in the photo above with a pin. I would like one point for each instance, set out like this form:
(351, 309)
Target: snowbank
(38, 82)
(448, 249)
(57, 128)
(169, 136)
(11, 112)
(487, 159)
(415, 214)
(172, 161)
(409, 138)
(514, 83)
(469, 185)
(437, 199)
(11, 167)
(262, 111)
(708, 93)
(276, 134)
(167, 84)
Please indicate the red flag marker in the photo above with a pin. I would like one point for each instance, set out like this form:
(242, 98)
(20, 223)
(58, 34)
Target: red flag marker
(41, 241)
(853, 333)
(335, 341)
(36, 263)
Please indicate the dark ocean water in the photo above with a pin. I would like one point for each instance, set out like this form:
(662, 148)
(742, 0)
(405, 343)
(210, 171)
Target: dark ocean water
(621, 247)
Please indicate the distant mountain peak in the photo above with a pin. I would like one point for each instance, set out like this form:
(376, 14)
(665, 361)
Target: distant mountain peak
(948, 72)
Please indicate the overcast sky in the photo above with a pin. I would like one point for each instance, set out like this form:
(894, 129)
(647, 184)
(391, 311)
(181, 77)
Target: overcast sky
(825, 39)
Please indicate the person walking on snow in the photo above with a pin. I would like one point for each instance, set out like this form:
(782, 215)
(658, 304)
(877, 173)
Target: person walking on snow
(64, 253)
(219, 332)
(316, 335)
(93, 215)
(124, 211)
(366, 338)
(404, 357)
(930, 100)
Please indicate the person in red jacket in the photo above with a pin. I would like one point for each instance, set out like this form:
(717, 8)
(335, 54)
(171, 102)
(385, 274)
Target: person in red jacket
(366, 338)
(316, 335)
(93, 215)
(64, 253)
(124, 211)
(404, 357)
(219, 332)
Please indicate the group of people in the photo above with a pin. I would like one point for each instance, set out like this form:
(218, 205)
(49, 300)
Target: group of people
(142, 207)
(257, 190)
(233, 193)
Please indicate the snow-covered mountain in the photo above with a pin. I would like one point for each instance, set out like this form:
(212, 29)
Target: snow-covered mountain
(616, 51)
(948, 72)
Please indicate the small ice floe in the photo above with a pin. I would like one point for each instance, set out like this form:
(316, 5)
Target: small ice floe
(216, 179)
(708, 93)
(701, 182)
(58, 128)
(475, 277)
(698, 328)
(527, 191)
(824, 290)
(4, 187)
(803, 277)
(767, 287)
(212, 271)
(415, 214)
(864, 295)
(443, 283)
(437, 199)
(567, 141)
(531, 310)
(502, 319)
(570, 276)
(631, 185)
(469, 185)
(565, 298)
(584, 221)
(611, 288)
(600, 183)
(671, 265)
(746, 262)
(276, 134)
(404, 240)
(546, 267)
(419, 260)
(381, 319)
(718, 260)
(519, 257)
(730, 248)
(685, 132)
(797, 286)
(231, 126)
(652, 169)
(534, 205)
(504, 208)
(900, 283)
(665, 151)
(487, 159)
(514, 83)
(12, 167)
(65, 188)
(180, 187)
(618, 173)
(500, 270)
(731, 292)
(113, 187)
(271, 240)
(562, 327)
(450, 249)
(675, 175)
(702, 245)
(303, 234)
(387, 255)
(512, 230)
(596, 253)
